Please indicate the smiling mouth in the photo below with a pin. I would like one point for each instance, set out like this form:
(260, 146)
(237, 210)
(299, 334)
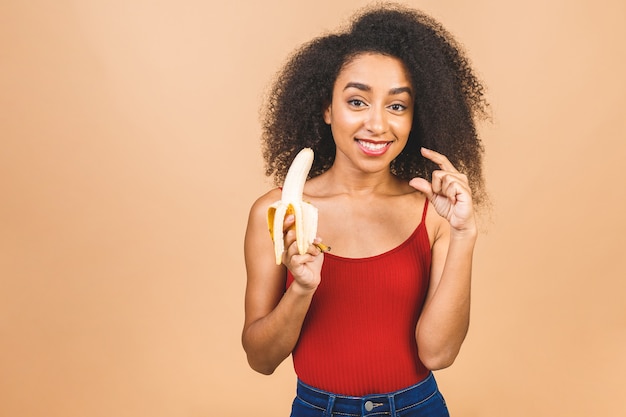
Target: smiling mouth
(373, 146)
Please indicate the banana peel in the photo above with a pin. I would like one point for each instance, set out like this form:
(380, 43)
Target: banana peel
(291, 203)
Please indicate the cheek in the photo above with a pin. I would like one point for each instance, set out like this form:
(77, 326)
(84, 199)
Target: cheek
(346, 120)
(403, 126)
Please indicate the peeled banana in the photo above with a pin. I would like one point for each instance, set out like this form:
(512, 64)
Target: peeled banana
(291, 203)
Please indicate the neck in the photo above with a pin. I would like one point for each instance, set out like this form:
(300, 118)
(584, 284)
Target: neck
(355, 182)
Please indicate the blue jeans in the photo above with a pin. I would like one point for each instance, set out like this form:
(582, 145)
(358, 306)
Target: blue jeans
(420, 400)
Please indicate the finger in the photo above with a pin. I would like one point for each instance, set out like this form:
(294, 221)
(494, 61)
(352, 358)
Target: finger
(457, 181)
(422, 185)
(322, 247)
(291, 248)
(292, 252)
(437, 181)
(449, 190)
(292, 258)
(456, 189)
(288, 223)
(440, 159)
(313, 250)
(290, 238)
(298, 259)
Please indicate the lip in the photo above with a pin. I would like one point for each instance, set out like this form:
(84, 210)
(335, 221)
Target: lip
(373, 151)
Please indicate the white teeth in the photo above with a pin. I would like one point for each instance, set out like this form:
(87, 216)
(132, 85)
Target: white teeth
(291, 203)
(373, 146)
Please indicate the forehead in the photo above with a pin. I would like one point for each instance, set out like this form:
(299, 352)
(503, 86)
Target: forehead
(374, 68)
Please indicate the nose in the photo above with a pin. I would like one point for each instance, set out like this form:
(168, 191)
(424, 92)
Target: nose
(376, 121)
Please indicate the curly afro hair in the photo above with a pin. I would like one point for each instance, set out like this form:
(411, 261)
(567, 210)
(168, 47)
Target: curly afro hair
(449, 97)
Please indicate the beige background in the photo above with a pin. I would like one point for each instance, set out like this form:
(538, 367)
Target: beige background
(129, 158)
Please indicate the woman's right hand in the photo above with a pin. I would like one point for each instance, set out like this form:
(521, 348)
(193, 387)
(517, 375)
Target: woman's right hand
(306, 269)
(274, 314)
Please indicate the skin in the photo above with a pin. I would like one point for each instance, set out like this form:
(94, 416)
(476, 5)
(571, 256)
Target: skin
(364, 210)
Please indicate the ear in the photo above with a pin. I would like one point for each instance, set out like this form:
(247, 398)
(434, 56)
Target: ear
(327, 113)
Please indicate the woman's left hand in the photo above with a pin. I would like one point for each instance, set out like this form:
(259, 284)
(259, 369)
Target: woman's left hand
(449, 192)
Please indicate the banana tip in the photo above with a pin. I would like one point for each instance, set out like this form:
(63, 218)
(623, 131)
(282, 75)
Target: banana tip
(322, 247)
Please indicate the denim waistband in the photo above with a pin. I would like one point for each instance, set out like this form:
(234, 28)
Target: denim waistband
(369, 405)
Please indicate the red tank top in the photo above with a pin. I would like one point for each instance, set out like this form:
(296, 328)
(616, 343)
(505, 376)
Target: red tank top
(358, 337)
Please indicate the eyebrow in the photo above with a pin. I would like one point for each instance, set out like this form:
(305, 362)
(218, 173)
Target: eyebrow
(400, 90)
(365, 87)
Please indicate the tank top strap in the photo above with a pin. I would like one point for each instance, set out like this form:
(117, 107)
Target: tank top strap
(425, 210)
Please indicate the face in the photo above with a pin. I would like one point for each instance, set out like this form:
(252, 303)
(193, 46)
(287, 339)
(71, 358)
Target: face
(371, 111)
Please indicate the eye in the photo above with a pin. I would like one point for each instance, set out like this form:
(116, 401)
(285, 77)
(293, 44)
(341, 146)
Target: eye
(355, 102)
(397, 107)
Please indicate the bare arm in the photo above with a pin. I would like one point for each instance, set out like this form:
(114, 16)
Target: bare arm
(273, 316)
(444, 321)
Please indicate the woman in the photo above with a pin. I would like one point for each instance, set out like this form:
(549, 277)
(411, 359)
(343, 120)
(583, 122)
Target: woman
(389, 107)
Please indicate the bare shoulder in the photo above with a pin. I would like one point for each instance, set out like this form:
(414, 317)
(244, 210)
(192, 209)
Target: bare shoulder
(262, 203)
(257, 228)
(436, 226)
(268, 198)
(412, 198)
